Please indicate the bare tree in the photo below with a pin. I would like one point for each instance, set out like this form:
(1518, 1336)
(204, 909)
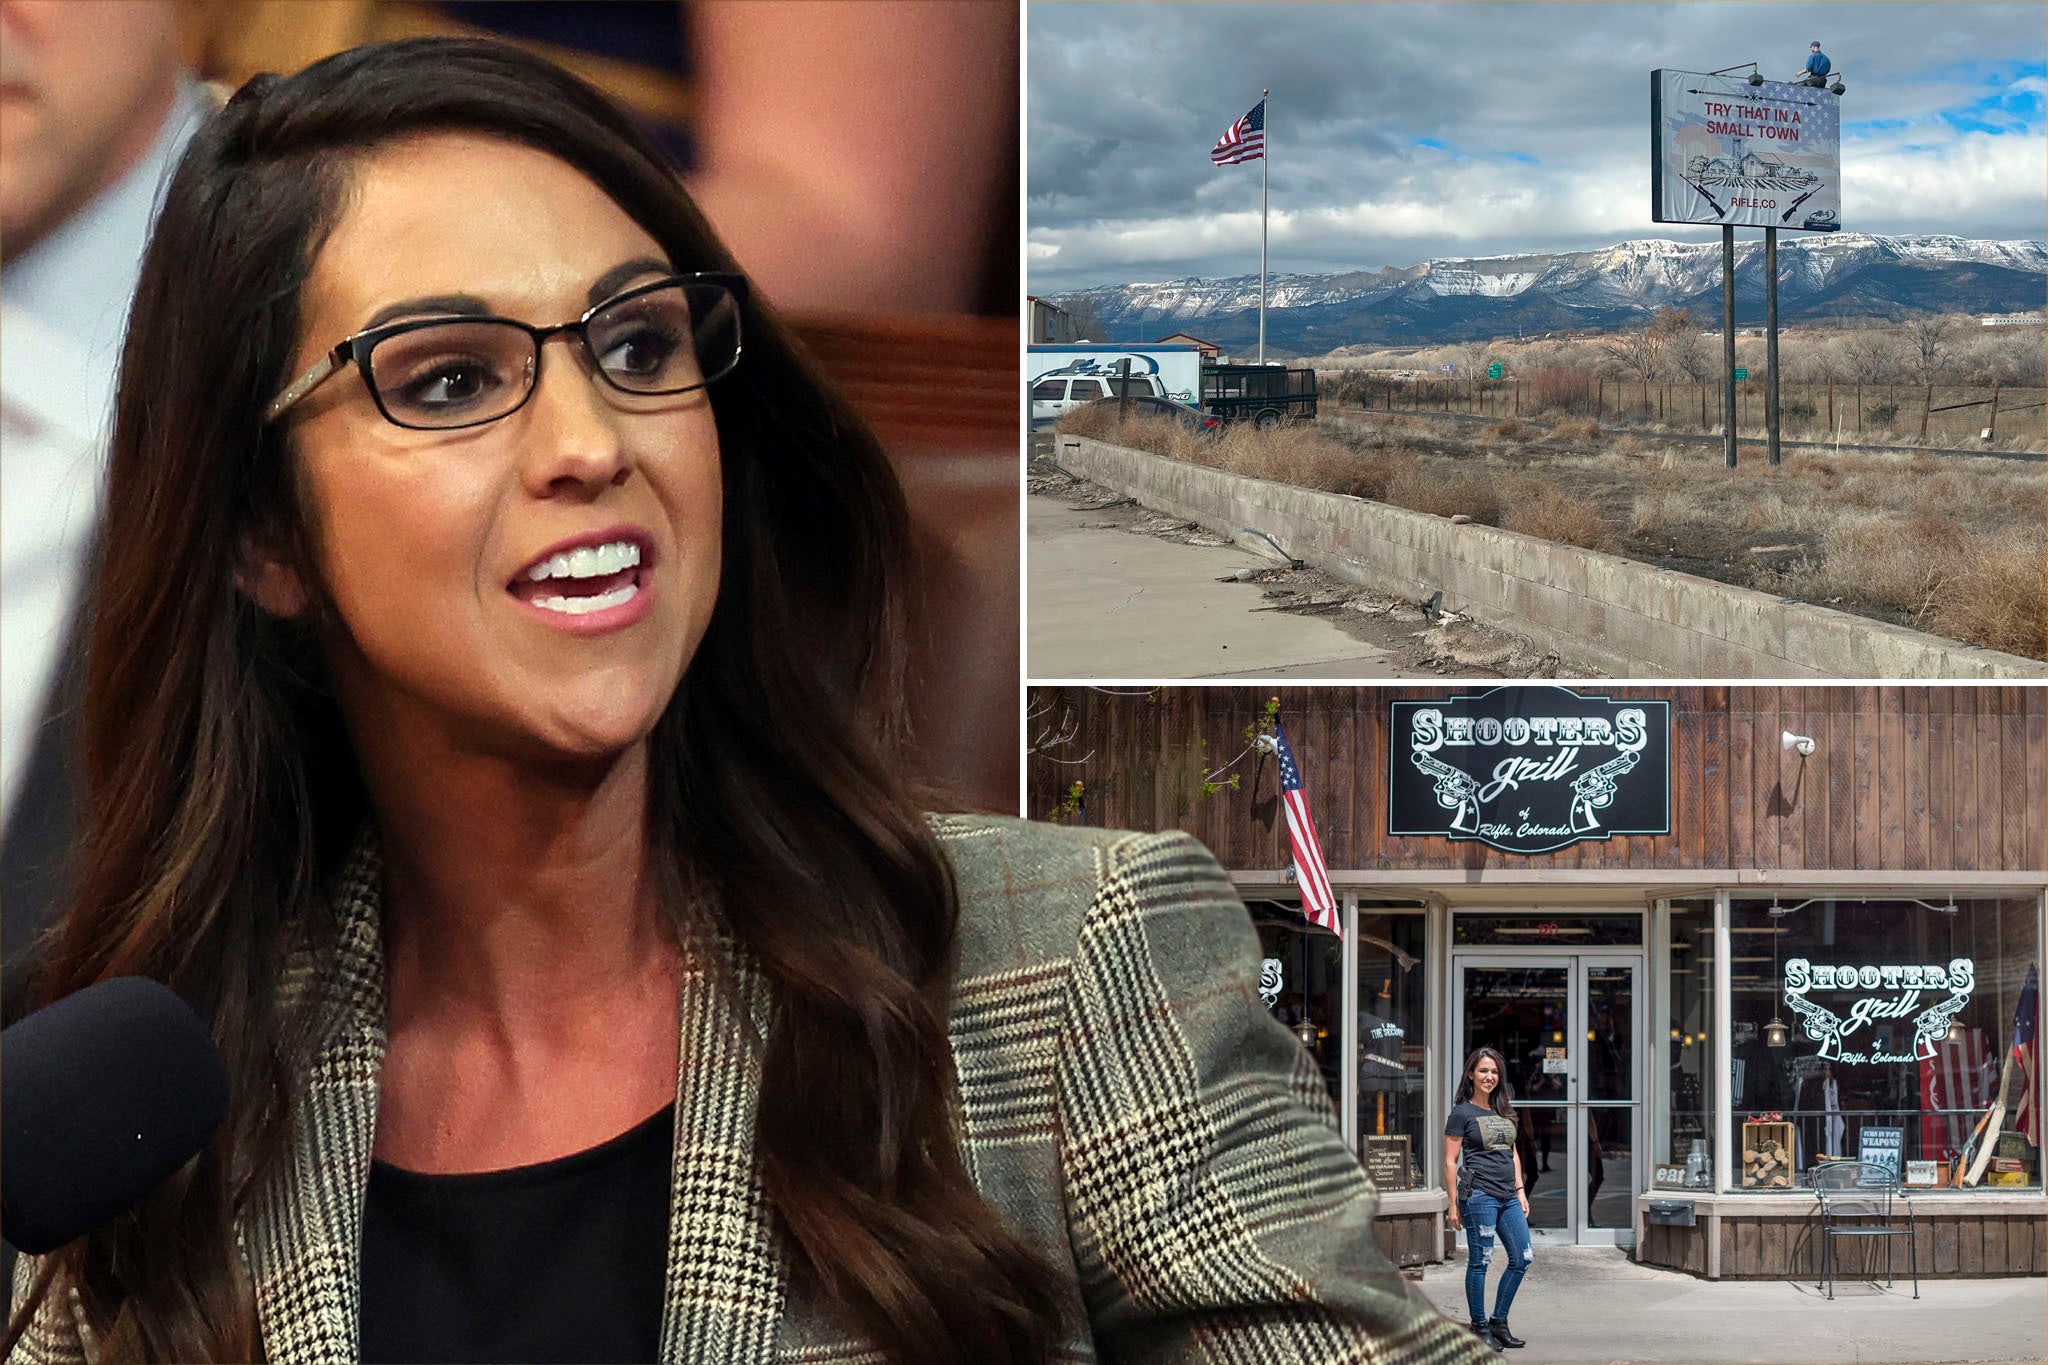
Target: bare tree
(1872, 353)
(1472, 357)
(1640, 349)
(1087, 316)
(1685, 346)
(1929, 338)
(1645, 349)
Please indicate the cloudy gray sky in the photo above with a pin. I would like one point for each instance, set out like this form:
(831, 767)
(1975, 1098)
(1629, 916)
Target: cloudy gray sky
(1406, 131)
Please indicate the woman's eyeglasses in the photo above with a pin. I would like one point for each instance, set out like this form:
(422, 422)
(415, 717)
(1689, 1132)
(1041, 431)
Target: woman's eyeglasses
(670, 336)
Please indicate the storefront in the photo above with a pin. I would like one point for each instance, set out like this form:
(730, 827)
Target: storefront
(1721, 935)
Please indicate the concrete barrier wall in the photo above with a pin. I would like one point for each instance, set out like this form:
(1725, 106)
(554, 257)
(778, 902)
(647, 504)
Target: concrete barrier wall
(1631, 620)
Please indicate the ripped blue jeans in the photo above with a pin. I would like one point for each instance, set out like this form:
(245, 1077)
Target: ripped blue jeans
(1484, 1215)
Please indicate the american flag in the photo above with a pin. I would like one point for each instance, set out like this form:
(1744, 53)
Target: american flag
(1955, 1078)
(2022, 1064)
(1246, 140)
(1318, 902)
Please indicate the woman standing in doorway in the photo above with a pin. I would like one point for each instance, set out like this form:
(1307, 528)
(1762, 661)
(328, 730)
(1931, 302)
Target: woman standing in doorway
(1482, 1165)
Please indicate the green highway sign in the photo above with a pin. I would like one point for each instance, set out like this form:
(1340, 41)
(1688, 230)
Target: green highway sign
(1493, 370)
(1741, 373)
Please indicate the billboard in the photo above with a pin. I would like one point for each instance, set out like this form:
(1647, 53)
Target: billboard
(1724, 151)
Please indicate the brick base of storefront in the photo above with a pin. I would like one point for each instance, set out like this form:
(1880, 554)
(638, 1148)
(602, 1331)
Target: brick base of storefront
(1777, 1237)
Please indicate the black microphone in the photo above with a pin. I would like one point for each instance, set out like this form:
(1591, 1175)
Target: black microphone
(102, 1096)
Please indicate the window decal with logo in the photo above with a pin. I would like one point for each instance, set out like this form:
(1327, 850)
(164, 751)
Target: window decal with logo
(1875, 996)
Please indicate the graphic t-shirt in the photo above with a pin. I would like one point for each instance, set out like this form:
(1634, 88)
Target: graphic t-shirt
(1489, 1148)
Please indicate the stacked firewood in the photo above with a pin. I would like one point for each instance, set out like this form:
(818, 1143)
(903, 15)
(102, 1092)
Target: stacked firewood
(1765, 1159)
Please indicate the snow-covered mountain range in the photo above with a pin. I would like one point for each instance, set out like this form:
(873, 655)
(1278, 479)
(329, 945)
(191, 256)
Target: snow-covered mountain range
(1845, 274)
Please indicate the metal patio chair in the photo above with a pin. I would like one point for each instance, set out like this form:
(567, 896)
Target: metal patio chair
(1862, 1199)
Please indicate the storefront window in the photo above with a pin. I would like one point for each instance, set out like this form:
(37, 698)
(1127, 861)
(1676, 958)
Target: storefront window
(1898, 1018)
(1301, 980)
(1392, 1060)
(1686, 1146)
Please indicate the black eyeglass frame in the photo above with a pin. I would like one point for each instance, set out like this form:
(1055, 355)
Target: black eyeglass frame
(359, 347)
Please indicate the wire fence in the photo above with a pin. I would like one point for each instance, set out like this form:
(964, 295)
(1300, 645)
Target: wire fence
(1939, 414)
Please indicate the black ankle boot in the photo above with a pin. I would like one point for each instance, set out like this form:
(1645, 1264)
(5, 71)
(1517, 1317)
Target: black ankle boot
(1485, 1333)
(1497, 1328)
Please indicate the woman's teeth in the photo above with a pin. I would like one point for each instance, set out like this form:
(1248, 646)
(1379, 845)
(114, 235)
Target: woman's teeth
(588, 561)
(583, 606)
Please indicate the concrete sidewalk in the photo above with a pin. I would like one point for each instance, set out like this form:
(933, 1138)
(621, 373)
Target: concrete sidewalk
(1593, 1305)
(1109, 603)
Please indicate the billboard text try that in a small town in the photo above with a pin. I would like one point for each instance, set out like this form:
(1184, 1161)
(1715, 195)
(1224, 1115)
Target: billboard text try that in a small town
(1724, 151)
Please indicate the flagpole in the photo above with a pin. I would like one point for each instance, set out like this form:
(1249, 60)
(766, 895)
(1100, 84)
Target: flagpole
(1265, 173)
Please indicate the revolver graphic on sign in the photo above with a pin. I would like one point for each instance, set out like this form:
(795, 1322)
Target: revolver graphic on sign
(1594, 790)
(1455, 791)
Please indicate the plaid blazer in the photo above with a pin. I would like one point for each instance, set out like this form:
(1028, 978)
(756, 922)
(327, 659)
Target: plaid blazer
(1127, 1105)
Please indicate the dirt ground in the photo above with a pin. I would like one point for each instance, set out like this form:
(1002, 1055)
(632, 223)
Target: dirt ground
(1787, 530)
(1419, 636)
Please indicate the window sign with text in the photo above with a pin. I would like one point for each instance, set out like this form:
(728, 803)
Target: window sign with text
(1889, 1001)
(1880, 1146)
(1529, 769)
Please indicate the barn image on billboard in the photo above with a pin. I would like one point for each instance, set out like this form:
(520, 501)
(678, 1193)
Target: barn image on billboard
(1728, 152)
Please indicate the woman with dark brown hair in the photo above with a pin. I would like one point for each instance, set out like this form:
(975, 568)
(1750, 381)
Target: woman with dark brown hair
(492, 731)
(1484, 1167)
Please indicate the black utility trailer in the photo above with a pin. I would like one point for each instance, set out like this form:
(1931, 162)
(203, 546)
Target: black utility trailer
(1264, 395)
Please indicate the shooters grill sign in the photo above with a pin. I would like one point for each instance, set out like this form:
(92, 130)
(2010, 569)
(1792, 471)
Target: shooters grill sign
(1529, 769)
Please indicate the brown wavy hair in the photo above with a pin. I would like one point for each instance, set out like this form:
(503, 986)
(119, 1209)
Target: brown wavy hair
(223, 791)
(1503, 1101)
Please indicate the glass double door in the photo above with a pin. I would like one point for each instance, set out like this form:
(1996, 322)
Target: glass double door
(1570, 1026)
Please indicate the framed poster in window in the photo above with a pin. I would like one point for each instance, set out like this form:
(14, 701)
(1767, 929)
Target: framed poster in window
(1884, 1147)
(1386, 1161)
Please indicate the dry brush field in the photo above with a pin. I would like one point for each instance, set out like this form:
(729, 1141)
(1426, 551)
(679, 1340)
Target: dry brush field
(1952, 544)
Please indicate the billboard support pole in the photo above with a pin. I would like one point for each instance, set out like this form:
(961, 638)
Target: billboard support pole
(1771, 341)
(1728, 342)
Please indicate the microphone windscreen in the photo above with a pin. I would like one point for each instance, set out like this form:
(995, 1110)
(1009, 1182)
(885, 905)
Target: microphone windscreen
(102, 1096)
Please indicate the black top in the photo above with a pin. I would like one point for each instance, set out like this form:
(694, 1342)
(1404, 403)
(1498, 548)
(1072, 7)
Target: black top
(563, 1261)
(1489, 1148)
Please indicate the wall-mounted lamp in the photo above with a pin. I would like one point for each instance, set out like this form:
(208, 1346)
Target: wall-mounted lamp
(1775, 1032)
(1802, 743)
(1589, 1035)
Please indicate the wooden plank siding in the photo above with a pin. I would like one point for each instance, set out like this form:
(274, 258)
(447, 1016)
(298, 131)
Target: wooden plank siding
(1948, 1244)
(1407, 1239)
(1903, 778)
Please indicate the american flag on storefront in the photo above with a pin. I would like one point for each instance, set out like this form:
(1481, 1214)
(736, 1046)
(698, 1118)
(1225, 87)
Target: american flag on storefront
(1957, 1076)
(1318, 901)
(1246, 140)
(2023, 1063)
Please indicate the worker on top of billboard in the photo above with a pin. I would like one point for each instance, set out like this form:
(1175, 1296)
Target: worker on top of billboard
(1817, 67)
